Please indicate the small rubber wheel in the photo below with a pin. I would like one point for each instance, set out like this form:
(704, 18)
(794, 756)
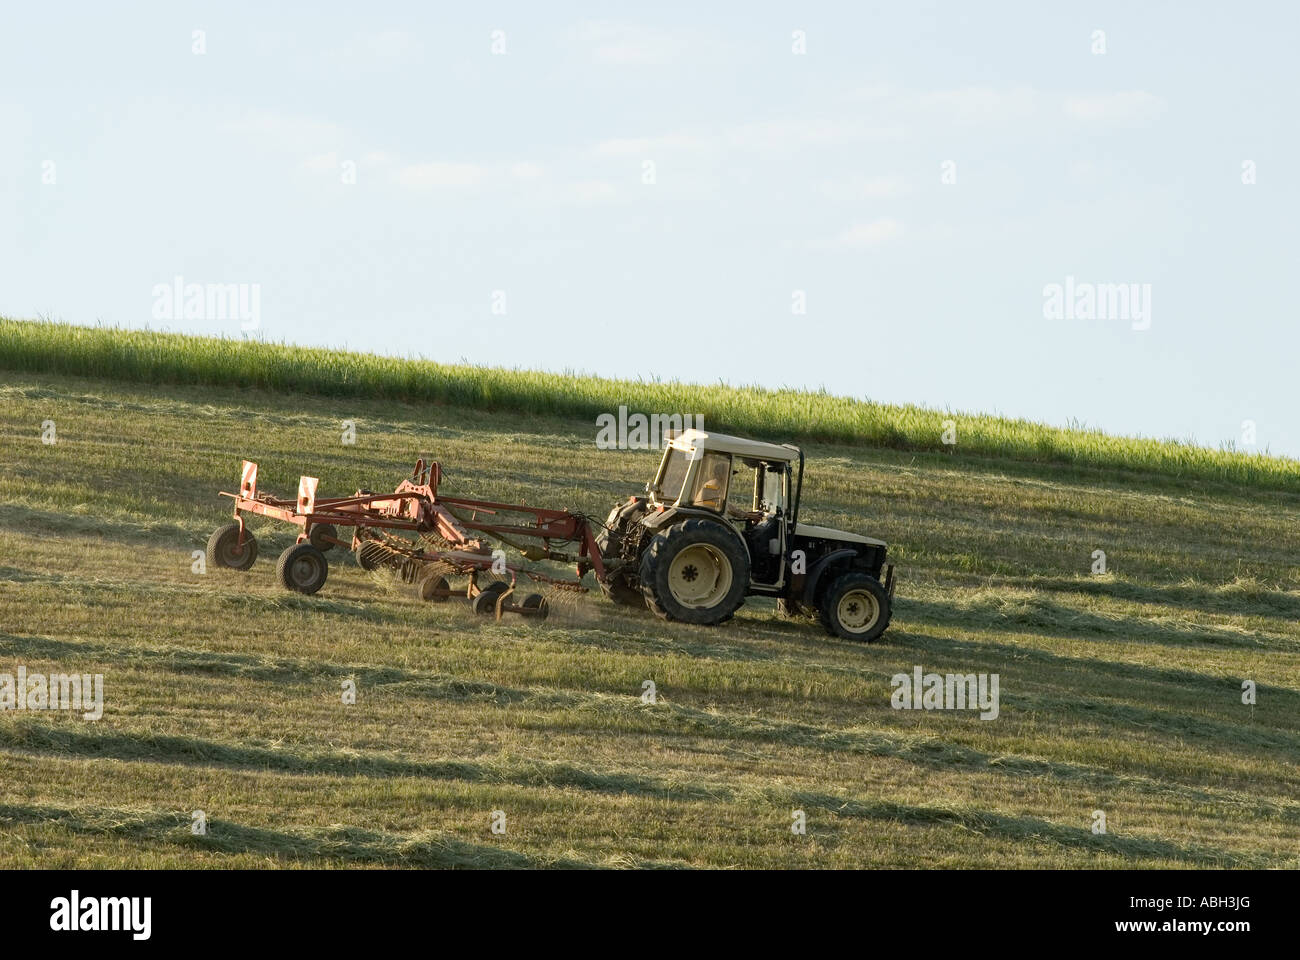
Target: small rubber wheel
(302, 568)
(535, 601)
(318, 534)
(225, 550)
(485, 604)
(430, 589)
(369, 555)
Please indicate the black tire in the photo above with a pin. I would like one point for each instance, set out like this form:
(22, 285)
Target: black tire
(302, 568)
(224, 549)
(317, 536)
(430, 585)
(856, 607)
(485, 604)
(675, 560)
(535, 601)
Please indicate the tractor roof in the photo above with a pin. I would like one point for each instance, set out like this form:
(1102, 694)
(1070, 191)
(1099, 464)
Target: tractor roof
(702, 440)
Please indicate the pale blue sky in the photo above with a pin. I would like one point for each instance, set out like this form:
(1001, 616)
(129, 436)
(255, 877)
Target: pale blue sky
(774, 172)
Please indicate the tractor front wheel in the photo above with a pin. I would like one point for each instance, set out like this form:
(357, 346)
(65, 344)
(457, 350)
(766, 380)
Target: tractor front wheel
(856, 607)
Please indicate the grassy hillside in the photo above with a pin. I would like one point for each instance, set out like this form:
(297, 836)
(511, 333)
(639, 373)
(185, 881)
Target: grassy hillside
(162, 358)
(1119, 692)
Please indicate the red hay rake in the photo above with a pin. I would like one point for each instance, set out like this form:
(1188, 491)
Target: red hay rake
(450, 539)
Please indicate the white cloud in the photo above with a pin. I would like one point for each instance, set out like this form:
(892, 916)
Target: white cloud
(426, 176)
(869, 234)
(985, 105)
(628, 44)
(533, 180)
(525, 171)
(795, 132)
(321, 163)
(284, 129)
(1129, 106)
(640, 146)
(971, 105)
(864, 188)
(391, 44)
(588, 193)
(768, 135)
(384, 46)
(332, 162)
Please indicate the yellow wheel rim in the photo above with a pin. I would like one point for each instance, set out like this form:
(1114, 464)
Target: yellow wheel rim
(699, 576)
(858, 611)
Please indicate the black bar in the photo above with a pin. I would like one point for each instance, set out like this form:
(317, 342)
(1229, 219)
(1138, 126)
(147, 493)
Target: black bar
(971, 912)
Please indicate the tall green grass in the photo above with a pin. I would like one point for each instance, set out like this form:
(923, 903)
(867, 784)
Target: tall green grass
(170, 358)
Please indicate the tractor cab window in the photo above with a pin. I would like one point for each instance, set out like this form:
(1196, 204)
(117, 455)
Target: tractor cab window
(769, 490)
(674, 475)
(712, 482)
(755, 489)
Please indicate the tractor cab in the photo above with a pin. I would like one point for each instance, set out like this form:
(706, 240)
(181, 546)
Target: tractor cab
(752, 485)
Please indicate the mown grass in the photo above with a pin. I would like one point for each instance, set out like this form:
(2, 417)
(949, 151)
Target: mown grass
(1119, 692)
(777, 414)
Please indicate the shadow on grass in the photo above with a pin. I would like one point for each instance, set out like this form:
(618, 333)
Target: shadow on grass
(1044, 616)
(345, 844)
(357, 845)
(627, 716)
(1034, 830)
(1218, 690)
(1240, 599)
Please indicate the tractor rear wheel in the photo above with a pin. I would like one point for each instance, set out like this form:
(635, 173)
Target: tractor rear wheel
(225, 550)
(856, 607)
(696, 571)
(302, 568)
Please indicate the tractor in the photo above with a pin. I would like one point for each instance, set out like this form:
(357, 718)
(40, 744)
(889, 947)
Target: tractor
(720, 522)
